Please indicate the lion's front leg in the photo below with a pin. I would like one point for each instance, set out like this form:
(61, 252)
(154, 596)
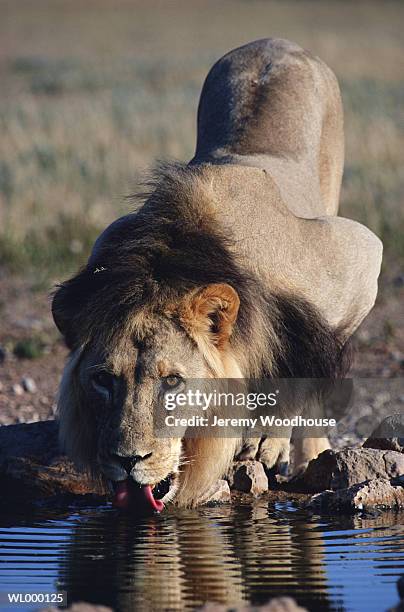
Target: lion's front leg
(306, 449)
(249, 449)
(272, 452)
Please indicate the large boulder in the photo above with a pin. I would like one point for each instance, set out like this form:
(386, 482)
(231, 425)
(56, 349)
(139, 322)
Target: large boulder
(36, 441)
(377, 494)
(333, 470)
(32, 466)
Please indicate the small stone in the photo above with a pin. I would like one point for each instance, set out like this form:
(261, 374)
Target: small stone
(400, 586)
(80, 606)
(399, 281)
(248, 477)
(76, 246)
(363, 336)
(17, 389)
(219, 493)
(277, 604)
(381, 399)
(29, 384)
(34, 417)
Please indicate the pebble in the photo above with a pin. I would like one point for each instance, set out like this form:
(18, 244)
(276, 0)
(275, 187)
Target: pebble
(76, 246)
(17, 389)
(381, 398)
(363, 336)
(399, 281)
(220, 492)
(29, 384)
(248, 477)
(400, 586)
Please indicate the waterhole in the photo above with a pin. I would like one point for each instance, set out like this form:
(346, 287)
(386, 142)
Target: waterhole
(180, 559)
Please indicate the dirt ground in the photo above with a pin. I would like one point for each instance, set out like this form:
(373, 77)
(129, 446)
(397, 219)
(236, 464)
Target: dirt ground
(93, 93)
(25, 315)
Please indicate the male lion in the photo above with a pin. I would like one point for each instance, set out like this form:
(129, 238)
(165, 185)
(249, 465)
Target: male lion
(236, 265)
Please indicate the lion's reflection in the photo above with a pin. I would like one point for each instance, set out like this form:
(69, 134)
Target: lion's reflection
(182, 559)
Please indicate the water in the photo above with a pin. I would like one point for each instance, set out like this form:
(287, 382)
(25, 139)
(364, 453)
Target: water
(181, 559)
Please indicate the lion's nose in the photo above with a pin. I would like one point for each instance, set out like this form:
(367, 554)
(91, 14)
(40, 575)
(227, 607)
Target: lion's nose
(128, 463)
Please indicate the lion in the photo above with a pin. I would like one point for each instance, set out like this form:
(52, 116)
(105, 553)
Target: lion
(236, 265)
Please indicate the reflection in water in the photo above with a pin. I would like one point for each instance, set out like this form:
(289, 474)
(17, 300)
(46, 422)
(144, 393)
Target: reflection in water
(180, 559)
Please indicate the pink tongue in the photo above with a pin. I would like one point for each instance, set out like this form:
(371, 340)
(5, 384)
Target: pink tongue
(139, 498)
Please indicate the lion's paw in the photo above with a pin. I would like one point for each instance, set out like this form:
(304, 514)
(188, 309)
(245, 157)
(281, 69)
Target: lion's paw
(249, 449)
(274, 454)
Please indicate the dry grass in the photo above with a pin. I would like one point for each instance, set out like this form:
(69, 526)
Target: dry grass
(93, 92)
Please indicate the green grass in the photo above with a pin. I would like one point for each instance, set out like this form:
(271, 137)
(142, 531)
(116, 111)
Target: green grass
(29, 348)
(95, 94)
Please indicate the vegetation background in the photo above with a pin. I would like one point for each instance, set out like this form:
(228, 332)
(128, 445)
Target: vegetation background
(93, 92)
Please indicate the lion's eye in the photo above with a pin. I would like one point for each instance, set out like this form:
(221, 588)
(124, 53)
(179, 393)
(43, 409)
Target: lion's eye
(172, 381)
(104, 380)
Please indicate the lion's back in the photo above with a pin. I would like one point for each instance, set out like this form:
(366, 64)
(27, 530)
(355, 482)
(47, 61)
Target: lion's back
(273, 105)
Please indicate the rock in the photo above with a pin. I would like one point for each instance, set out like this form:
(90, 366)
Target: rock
(248, 477)
(76, 246)
(398, 608)
(394, 444)
(377, 494)
(29, 384)
(26, 480)
(80, 606)
(381, 399)
(389, 435)
(335, 470)
(37, 441)
(400, 586)
(17, 389)
(398, 281)
(32, 466)
(277, 604)
(219, 493)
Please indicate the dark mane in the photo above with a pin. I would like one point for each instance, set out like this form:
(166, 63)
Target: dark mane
(171, 245)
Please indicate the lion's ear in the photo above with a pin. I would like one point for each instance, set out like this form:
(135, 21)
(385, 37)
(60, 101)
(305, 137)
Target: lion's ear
(63, 315)
(211, 312)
